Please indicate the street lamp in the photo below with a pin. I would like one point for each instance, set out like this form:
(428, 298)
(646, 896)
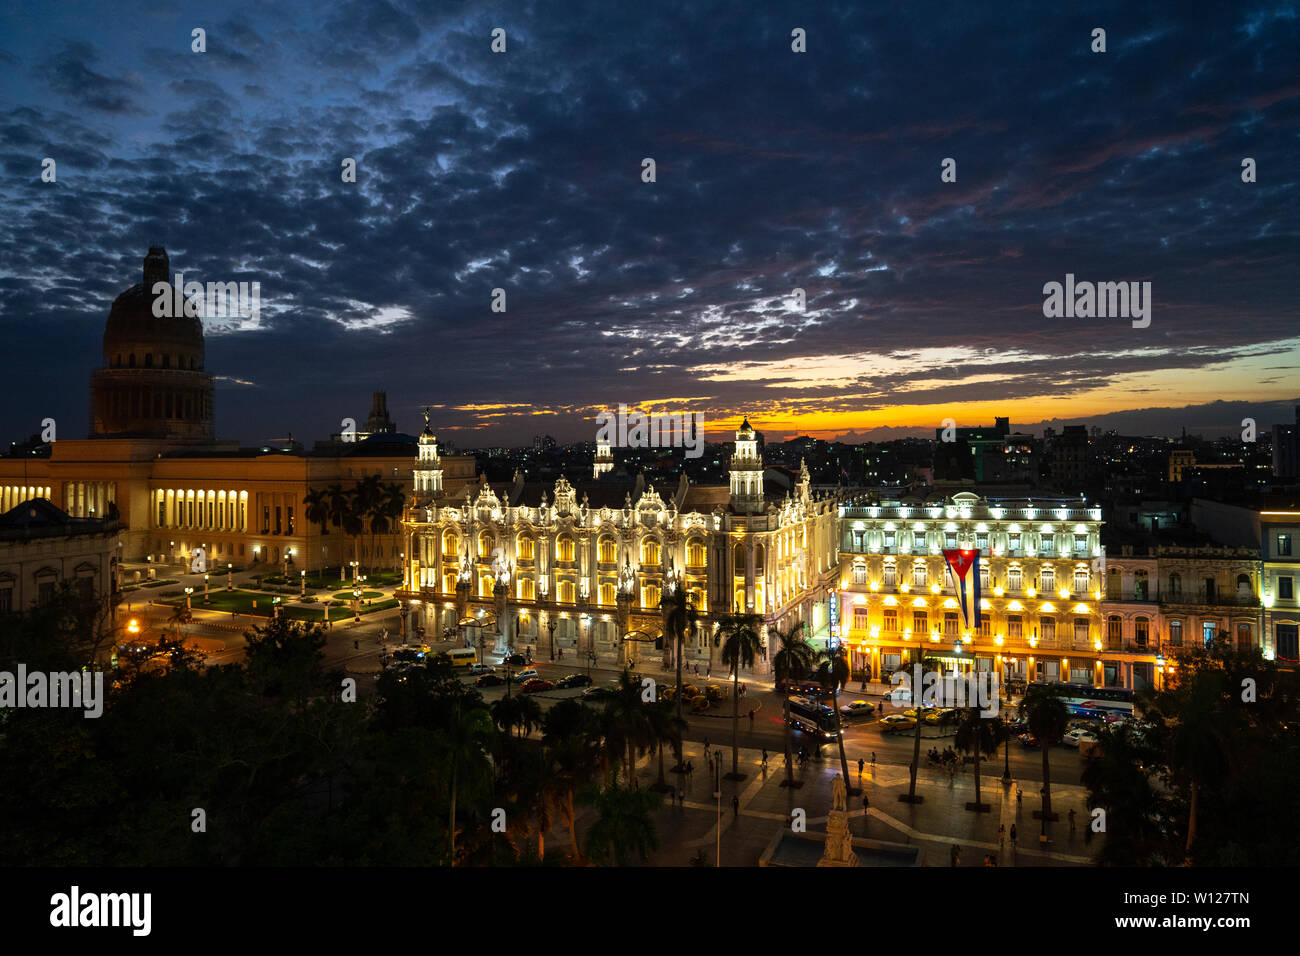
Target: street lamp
(188, 592)
(354, 572)
(205, 590)
(275, 606)
(356, 603)
(302, 583)
(230, 576)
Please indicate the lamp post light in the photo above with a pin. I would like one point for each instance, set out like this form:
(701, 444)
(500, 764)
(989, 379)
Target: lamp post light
(550, 626)
(356, 604)
(275, 606)
(205, 590)
(354, 572)
(188, 592)
(302, 583)
(230, 576)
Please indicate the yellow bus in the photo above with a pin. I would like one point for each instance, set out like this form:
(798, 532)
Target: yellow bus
(462, 656)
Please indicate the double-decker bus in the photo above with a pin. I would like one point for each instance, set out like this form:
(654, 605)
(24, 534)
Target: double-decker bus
(1084, 700)
(813, 717)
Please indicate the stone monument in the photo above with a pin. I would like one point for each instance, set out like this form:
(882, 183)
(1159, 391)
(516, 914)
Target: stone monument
(839, 839)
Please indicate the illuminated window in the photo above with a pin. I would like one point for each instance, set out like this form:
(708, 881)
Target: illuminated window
(525, 546)
(608, 552)
(695, 555)
(564, 547)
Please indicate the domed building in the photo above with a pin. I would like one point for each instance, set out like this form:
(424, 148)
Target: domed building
(153, 463)
(152, 383)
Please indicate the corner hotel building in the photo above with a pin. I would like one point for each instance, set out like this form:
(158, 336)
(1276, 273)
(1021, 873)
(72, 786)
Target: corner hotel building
(1041, 568)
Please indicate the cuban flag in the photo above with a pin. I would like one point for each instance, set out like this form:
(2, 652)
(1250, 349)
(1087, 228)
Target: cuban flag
(964, 566)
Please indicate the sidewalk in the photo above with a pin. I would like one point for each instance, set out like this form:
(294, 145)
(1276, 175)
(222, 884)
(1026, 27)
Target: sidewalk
(936, 824)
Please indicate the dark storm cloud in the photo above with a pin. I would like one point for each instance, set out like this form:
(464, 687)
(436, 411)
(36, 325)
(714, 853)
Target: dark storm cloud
(775, 170)
(68, 72)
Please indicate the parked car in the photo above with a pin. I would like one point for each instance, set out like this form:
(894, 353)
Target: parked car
(857, 708)
(1028, 740)
(482, 669)
(714, 692)
(895, 723)
(597, 693)
(528, 673)
(939, 718)
(1077, 736)
(573, 680)
(489, 680)
(536, 685)
(515, 660)
(690, 692)
(700, 704)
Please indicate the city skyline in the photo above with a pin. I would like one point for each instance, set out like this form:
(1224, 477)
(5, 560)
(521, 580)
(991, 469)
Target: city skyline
(775, 170)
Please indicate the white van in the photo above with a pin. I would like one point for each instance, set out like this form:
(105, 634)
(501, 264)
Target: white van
(902, 694)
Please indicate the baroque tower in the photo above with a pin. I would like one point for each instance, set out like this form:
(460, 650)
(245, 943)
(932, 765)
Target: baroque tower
(746, 472)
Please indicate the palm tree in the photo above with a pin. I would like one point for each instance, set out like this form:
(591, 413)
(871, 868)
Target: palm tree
(1200, 744)
(465, 736)
(567, 736)
(981, 735)
(794, 661)
(680, 616)
(318, 511)
(832, 674)
(624, 825)
(393, 503)
(367, 499)
(739, 637)
(666, 728)
(339, 503)
(927, 665)
(1048, 719)
(626, 726)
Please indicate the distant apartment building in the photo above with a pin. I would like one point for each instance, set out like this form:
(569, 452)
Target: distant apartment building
(1286, 441)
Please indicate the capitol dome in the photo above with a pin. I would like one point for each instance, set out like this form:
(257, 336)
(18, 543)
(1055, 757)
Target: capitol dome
(152, 383)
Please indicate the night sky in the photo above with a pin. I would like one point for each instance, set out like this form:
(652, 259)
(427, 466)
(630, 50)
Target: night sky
(775, 170)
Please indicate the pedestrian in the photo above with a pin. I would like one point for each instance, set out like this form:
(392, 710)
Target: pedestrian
(742, 690)
(706, 744)
(1013, 836)
(708, 671)
(735, 806)
(1020, 796)
(764, 758)
(861, 764)
(1002, 837)
(955, 854)
(988, 861)
(873, 761)
(356, 645)
(864, 685)
(866, 804)
(751, 727)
